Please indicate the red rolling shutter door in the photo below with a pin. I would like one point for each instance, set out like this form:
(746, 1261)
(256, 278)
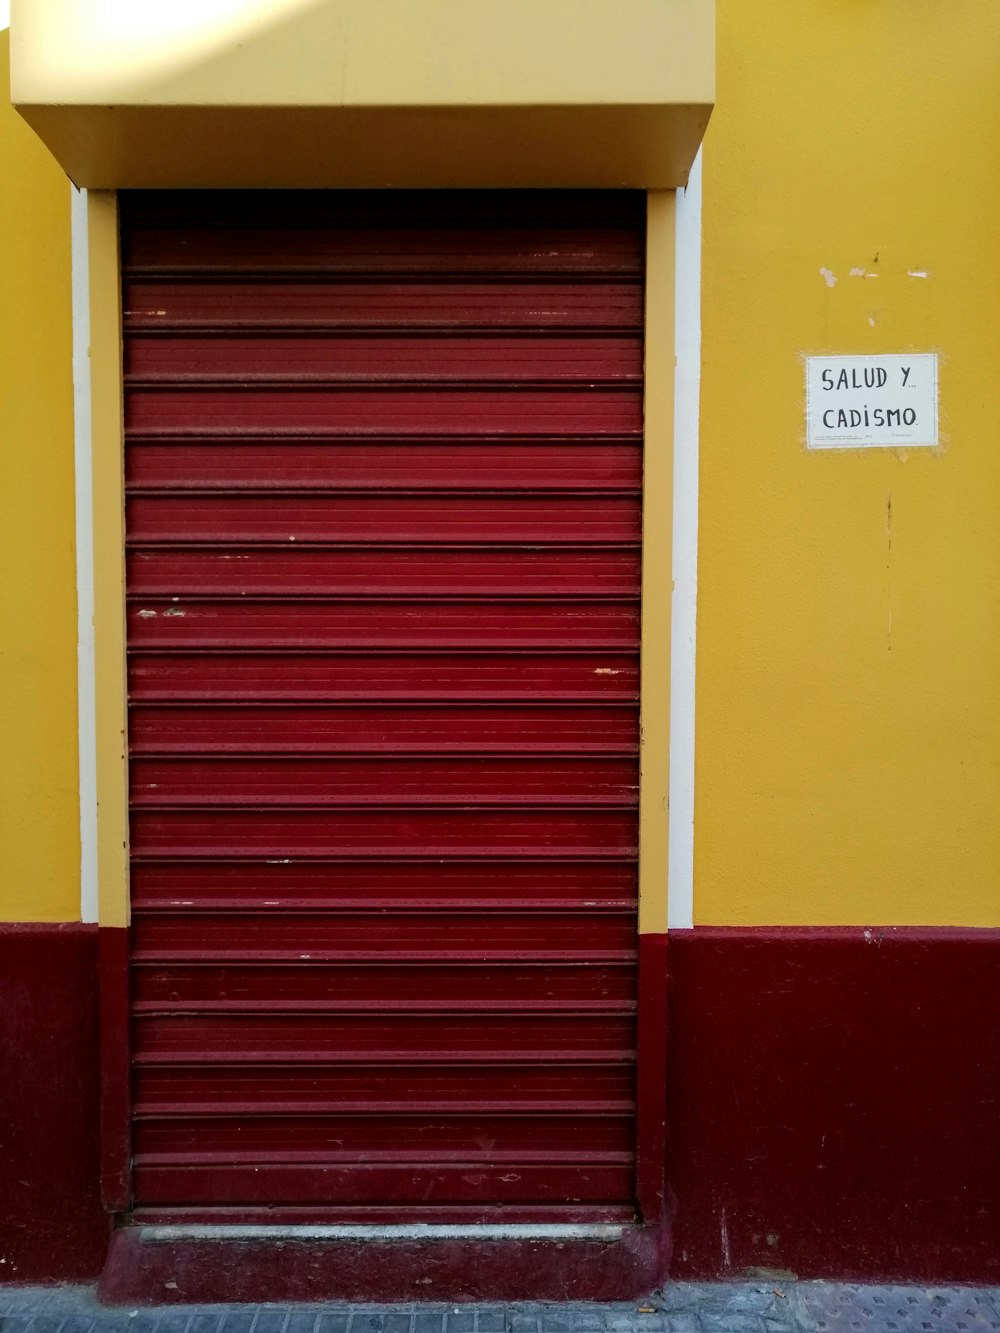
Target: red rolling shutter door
(383, 467)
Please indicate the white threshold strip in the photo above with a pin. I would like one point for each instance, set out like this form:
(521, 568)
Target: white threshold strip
(160, 1235)
(84, 496)
(683, 617)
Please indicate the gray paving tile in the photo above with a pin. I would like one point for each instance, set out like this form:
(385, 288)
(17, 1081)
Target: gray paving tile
(271, 1321)
(524, 1323)
(237, 1321)
(683, 1321)
(855, 1308)
(26, 1300)
(48, 1323)
(205, 1321)
(365, 1320)
(301, 1321)
(491, 1320)
(588, 1323)
(333, 1321)
(79, 1323)
(462, 1321)
(677, 1300)
(141, 1322)
(730, 1321)
(172, 1320)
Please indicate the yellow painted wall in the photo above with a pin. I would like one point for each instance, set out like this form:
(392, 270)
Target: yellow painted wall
(848, 748)
(849, 665)
(39, 812)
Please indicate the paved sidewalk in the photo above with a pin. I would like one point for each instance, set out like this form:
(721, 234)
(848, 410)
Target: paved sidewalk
(783, 1307)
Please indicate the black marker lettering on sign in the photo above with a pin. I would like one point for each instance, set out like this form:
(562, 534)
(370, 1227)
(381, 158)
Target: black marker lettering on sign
(874, 378)
(851, 418)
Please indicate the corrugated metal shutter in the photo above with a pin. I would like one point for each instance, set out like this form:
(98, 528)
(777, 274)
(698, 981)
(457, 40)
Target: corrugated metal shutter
(383, 466)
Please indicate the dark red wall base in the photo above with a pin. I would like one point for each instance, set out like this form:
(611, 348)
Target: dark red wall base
(52, 1226)
(226, 1270)
(833, 1111)
(834, 1103)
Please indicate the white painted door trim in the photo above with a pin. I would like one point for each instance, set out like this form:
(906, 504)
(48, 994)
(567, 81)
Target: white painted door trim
(82, 453)
(683, 620)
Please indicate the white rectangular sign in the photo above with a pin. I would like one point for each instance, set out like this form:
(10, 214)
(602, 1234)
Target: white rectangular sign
(865, 402)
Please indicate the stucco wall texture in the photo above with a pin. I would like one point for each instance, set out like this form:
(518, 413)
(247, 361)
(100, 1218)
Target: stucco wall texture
(848, 715)
(39, 803)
